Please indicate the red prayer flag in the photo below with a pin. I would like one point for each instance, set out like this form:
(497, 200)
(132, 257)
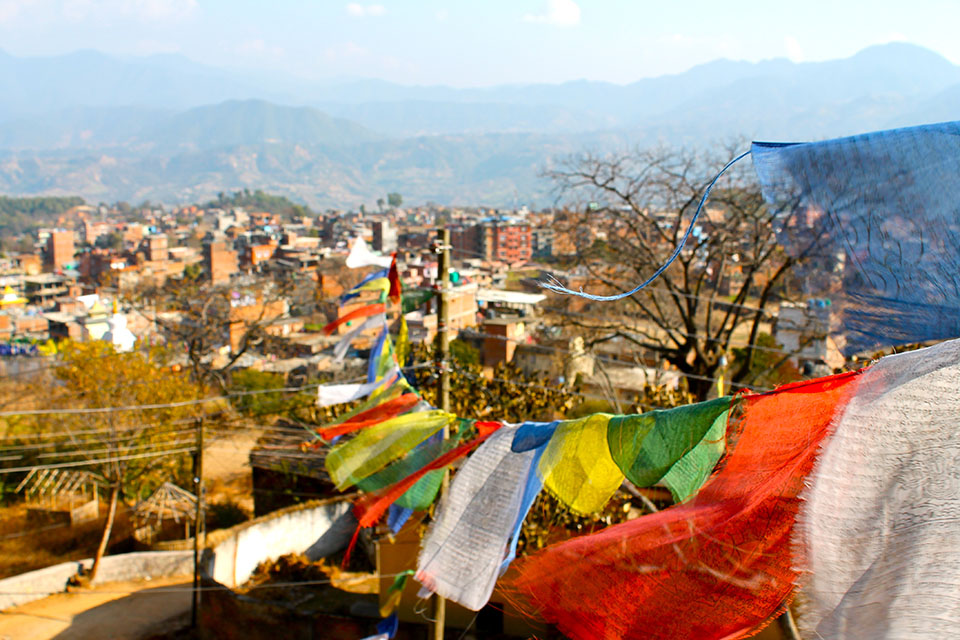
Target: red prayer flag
(716, 566)
(372, 416)
(361, 312)
(393, 276)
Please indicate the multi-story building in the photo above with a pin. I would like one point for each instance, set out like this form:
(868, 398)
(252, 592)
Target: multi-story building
(384, 237)
(155, 248)
(93, 230)
(541, 243)
(59, 249)
(219, 262)
(493, 239)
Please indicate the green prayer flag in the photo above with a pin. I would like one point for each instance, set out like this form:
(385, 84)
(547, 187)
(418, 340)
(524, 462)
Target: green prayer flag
(415, 298)
(647, 446)
(690, 472)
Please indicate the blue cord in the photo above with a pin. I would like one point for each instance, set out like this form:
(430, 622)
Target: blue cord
(557, 287)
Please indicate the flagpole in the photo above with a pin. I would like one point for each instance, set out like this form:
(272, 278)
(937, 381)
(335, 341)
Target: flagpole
(443, 395)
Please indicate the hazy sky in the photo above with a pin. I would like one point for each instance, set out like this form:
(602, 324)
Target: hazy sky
(479, 42)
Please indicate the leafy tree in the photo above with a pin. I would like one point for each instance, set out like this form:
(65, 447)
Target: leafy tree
(510, 395)
(463, 353)
(770, 366)
(192, 272)
(261, 404)
(133, 450)
(394, 199)
(112, 240)
(260, 201)
(19, 215)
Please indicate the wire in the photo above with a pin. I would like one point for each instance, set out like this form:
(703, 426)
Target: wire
(607, 359)
(557, 287)
(174, 589)
(546, 388)
(84, 463)
(164, 405)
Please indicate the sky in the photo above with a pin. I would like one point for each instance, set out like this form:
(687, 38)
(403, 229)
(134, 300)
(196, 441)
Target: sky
(478, 43)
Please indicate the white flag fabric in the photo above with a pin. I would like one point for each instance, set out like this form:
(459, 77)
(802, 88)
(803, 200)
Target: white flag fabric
(340, 350)
(361, 256)
(879, 530)
(464, 548)
(331, 394)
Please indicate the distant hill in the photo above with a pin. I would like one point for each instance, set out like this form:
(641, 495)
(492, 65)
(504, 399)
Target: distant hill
(252, 122)
(167, 129)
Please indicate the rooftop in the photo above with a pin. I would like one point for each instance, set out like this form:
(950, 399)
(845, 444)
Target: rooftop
(509, 297)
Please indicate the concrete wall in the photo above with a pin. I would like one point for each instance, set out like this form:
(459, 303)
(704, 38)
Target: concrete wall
(34, 585)
(316, 529)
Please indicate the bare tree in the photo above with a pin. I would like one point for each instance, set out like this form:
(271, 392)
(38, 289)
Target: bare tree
(628, 213)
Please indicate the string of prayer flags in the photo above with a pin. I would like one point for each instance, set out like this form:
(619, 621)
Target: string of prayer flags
(463, 550)
(369, 508)
(331, 394)
(689, 473)
(647, 446)
(376, 446)
(415, 299)
(397, 516)
(361, 256)
(380, 358)
(879, 523)
(576, 466)
(386, 628)
(391, 390)
(715, 566)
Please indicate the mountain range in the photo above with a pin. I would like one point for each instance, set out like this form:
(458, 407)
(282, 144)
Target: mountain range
(168, 129)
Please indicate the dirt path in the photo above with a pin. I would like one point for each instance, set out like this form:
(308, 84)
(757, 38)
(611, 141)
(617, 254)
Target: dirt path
(112, 611)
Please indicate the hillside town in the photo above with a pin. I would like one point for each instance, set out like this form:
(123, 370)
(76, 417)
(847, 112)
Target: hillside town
(77, 282)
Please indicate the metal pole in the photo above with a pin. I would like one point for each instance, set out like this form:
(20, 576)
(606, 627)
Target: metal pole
(198, 491)
(443, 363)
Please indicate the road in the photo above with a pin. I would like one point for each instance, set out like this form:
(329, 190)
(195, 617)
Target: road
(112, 611)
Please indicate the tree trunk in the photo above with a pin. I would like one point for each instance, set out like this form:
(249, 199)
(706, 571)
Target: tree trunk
(107, 528)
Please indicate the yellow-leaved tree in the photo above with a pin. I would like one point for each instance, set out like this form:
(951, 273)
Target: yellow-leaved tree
(130, 420)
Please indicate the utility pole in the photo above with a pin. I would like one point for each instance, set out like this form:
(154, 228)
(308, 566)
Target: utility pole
(443, 395)
(198, 491)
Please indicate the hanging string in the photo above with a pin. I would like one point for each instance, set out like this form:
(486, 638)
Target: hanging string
(557, 287)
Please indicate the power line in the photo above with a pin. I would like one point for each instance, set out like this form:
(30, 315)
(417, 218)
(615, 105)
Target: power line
(84, 463)
(173, 589)
(156, 446)
(602, 358)
(559, 389)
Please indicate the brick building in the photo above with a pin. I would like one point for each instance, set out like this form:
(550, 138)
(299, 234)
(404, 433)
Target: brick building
(219, 262)
(503, 240)
(155, 248)
(59, 249)
(384, 237)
